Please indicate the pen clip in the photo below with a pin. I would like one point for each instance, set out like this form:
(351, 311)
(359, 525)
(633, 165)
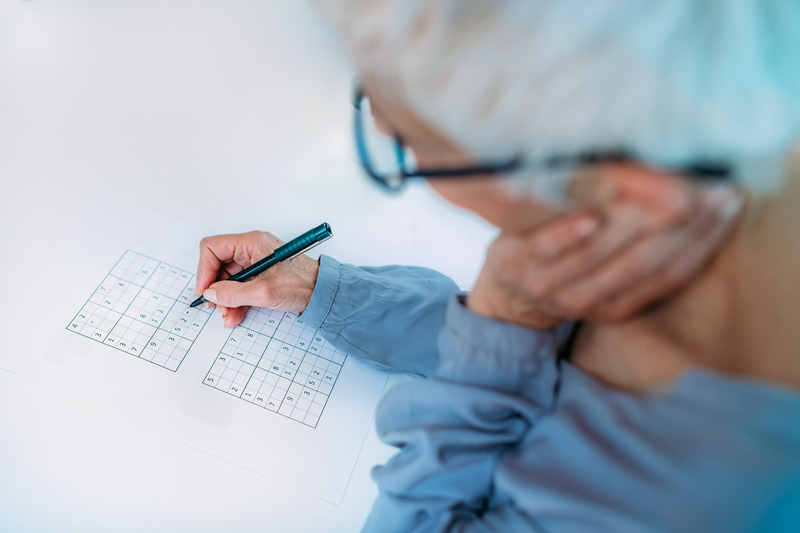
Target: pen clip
(304, 250)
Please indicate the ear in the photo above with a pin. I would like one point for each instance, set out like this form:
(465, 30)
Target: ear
(660, 196)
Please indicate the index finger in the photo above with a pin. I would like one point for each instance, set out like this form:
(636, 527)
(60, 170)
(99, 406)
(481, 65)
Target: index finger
(214, 251)
(561, 235)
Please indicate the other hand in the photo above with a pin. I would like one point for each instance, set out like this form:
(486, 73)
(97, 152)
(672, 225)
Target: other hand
(602, 266)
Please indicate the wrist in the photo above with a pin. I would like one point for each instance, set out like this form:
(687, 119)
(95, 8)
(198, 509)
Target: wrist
(310, 272)
(475, 302)
(524, 315)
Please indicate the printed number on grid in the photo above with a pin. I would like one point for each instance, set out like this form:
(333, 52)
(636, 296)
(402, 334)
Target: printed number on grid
(142, 308)
(274, 361)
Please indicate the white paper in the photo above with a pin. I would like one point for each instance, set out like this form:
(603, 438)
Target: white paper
(187, 376)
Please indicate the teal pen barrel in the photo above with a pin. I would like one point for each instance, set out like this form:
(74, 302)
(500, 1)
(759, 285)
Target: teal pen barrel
(307, 239)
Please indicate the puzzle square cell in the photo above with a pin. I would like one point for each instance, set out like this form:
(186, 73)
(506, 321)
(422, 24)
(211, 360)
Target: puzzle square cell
(303, 404)
(177, 353)
(136, 349)
(147, 354)
(252, 358)
(230, 373)
(281, 358)
(320, 398)
(111, 340)
(249, 395)
(166, 349)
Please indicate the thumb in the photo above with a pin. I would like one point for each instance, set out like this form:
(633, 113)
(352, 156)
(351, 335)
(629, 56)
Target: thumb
(234, 294)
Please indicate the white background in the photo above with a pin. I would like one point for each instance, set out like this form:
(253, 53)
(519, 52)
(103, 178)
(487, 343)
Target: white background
(229, 114)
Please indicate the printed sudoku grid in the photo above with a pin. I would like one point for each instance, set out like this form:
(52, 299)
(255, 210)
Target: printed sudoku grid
(274, 361)
(142, 308)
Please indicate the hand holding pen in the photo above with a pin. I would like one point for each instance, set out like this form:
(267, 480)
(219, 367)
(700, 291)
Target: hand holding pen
(286, 285)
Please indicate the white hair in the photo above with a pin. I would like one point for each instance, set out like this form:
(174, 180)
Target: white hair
(670, 82)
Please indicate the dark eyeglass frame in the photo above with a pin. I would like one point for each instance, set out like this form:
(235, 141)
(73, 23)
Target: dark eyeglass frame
(395, 182)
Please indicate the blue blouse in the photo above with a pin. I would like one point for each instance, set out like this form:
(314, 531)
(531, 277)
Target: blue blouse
(506, 438)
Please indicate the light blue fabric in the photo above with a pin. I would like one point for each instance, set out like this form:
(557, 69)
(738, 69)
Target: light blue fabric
(503, 439)
(388, 317)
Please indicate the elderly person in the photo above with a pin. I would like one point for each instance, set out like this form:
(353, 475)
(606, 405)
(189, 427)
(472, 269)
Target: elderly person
(595, 137)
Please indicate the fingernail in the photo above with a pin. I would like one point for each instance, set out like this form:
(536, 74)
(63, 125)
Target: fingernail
(210, 295)
(222, 312)
(586, 227)
(208, 305)
(225, 324)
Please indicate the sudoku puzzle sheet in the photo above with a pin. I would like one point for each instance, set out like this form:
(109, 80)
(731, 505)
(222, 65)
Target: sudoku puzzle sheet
(274, 361)
(142, 308)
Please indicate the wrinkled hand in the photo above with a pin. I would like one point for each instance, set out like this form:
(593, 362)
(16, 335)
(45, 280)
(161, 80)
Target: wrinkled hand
(287, 286)
(602, 266)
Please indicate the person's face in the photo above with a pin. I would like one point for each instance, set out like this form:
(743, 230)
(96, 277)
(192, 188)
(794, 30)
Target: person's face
(488, 196)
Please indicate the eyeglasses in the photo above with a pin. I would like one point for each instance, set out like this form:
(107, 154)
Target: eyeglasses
(389, 162)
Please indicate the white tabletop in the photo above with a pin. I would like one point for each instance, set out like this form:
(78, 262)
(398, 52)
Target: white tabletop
(229, 114)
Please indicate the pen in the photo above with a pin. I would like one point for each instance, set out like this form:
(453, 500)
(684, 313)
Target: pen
(291, 249)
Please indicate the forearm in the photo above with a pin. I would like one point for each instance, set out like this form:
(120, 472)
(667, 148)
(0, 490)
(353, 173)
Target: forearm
(388, 317)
